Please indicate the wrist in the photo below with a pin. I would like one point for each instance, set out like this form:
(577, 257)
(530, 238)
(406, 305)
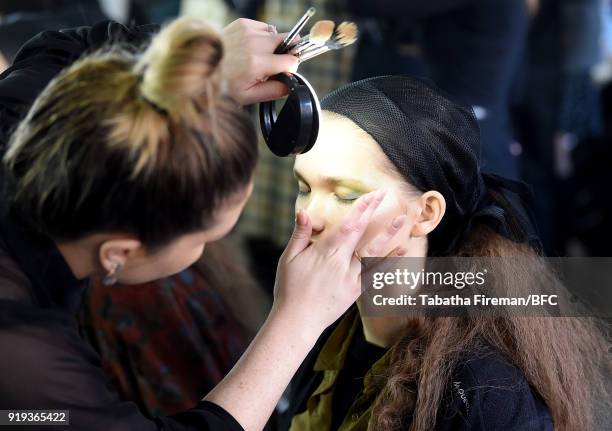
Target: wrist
(297, 325)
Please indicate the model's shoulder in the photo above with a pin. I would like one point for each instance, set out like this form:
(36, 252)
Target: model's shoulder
(487, 391)
(485, 366)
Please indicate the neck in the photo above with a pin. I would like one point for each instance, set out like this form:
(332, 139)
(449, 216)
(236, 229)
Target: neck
(388, 330)
(382, 331)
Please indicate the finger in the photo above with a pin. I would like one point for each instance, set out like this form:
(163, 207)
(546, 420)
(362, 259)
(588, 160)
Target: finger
(382, 263)
(398, 252)
(300, 239)
(267, 43)
(376, 247)
(345, 238)
(250, 24)
(271, 64)
(262, 92)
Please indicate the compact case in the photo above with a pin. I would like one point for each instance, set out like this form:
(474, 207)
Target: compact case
(294, 129)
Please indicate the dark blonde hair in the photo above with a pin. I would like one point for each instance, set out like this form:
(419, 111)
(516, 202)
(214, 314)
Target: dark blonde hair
(146, 143)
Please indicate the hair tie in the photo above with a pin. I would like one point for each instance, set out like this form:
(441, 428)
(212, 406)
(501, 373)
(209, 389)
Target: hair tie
(155, 106)
(517, 223)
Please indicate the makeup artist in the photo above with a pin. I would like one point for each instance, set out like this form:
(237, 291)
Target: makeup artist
(122, 164)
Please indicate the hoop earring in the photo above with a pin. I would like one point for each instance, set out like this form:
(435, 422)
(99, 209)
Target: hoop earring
(111, 278)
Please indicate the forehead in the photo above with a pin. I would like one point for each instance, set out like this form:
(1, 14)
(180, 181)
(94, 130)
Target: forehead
(342, 150)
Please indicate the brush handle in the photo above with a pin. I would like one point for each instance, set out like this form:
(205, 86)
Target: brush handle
(284, 46)
(301, 48)
(311, 53)
(301, 45)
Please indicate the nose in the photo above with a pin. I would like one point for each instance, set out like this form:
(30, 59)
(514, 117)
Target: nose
(316, 212)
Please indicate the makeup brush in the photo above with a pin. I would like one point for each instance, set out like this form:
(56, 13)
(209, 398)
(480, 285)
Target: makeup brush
(344, 34)
(284, 46)
(320, 33)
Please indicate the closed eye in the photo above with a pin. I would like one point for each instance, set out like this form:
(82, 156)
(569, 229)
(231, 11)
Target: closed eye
(303, 188)
(346, 200)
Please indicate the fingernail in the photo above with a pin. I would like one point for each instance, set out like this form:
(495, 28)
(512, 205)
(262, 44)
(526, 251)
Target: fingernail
(398, 222)
(368, 198)
(380, 194)
(300, 219)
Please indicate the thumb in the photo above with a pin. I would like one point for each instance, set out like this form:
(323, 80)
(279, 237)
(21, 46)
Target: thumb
(301, 236)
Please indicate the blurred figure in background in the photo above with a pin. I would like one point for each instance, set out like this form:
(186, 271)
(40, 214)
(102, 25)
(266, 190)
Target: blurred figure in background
(556, 110)
(591, 207)
(536, 112)
(585, 137)
(470, 48)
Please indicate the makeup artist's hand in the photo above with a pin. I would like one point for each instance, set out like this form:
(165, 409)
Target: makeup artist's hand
(249, 60)
(316, 283)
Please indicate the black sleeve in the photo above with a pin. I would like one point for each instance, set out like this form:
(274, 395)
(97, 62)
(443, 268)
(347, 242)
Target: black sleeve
(46, 365)
(45, 55)
(488, 393)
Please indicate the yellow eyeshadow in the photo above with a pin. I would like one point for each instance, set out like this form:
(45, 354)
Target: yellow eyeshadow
(348, 193)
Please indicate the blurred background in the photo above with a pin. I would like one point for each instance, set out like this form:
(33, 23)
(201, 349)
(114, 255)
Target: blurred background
(538, 74)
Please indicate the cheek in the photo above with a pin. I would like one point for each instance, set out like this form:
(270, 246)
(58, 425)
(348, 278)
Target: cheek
(184, 258)
(179, 259)
(384, 216)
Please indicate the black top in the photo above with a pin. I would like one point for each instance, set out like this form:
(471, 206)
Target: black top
(486, 392)
(44, 363)
(359, 358)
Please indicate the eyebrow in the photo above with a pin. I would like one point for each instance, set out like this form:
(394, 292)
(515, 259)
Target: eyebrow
(345, 182)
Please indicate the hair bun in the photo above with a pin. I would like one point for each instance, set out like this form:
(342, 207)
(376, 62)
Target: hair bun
(181, 65)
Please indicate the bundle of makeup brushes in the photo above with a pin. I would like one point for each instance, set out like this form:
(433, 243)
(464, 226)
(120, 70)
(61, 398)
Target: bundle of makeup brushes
(324, 36)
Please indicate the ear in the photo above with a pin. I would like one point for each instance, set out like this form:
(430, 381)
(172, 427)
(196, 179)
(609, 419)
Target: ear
(117, 251)
(432, 208)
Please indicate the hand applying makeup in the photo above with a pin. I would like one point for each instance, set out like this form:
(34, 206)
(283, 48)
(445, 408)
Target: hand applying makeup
(315, 284)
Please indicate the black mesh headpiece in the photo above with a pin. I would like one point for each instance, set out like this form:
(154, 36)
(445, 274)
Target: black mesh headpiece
(435, 145)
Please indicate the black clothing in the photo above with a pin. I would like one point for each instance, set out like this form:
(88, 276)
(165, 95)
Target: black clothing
(360, 357)
(45, 363)
(486, 393)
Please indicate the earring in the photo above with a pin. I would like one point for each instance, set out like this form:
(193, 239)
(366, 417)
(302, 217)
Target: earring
(111, 278)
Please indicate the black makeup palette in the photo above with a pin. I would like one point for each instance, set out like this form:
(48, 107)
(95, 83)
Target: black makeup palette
(292, 129)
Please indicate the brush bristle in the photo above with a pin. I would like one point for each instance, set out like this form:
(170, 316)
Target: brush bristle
(321, 31)
(346, 33)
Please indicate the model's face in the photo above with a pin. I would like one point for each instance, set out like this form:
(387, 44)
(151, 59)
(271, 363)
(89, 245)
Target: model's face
(344, 164)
